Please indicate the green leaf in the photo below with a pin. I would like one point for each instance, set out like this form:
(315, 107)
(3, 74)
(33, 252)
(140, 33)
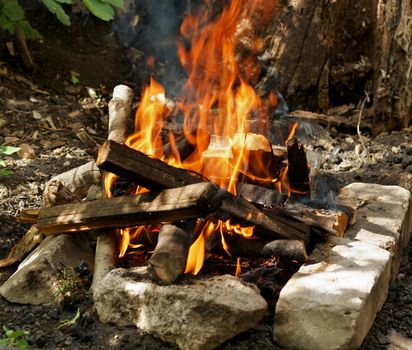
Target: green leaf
(65, 1)
(58, 10)
(2, 162)
(102, 10)
(13, 10)
(3, 342)
(115, 3)
(6, 24)
(9, 149)
(29, 31)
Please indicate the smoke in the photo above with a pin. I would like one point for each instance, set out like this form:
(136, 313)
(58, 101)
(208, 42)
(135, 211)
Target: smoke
(150, 29)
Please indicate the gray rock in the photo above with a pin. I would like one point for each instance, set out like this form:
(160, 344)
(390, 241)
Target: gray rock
(199, 315)
(49, 269)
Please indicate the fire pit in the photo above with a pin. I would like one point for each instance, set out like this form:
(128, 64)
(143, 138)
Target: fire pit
(201, 176)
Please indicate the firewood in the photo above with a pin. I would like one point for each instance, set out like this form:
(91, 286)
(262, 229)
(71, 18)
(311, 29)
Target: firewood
(30, 240)
(107, 249)
(182, 146)
(154, 174)
(217, 157)
(260, 195)
(168, 206)
(139, 168)
(333, 221)
(119, 113)
(298, 171)
(266, 224)
(262, 164)
(89, 143)
(71, 185)
(169, 258)
(105, 258)
(28, 215)
(286, 249)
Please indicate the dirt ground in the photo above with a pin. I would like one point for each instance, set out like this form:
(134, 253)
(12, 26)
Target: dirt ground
(43, 108)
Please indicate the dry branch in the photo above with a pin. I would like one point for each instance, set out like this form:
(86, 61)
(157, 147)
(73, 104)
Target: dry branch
(298, 170)
(286, 249)
(168, 206)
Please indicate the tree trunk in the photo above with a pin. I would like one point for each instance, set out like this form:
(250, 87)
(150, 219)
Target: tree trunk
(326, 54)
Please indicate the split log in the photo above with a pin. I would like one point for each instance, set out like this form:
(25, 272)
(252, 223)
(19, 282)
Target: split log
(154, 174)
(262, 164)
(28, 215)
(169, 258)
(217, 159)
(31, 239)
(286, 249)
(259, 195)
(139, 168)
(71, 185)
(179, 144)
(298, 170)
(168, 206)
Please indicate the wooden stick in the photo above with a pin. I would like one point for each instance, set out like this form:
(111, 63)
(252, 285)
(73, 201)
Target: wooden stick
(287, 249)
(71, 185)
(298, 171)
(154, 174)
(90, 144)
(30, 240)
(119, 113)
(169, 258)
(106, 256)
(168, 206)
(107, 247)
(327, 120)
(139, 168)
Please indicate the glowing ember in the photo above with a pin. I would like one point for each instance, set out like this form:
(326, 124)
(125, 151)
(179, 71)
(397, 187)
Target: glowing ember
(218, 102)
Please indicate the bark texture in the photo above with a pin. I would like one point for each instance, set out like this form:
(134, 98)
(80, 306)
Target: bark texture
(326, 54)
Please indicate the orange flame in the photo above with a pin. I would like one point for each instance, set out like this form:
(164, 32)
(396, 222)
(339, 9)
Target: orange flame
(218, 102)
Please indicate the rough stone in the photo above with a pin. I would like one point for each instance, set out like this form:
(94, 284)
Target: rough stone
(40, 277)
(199, 314)
(331, 303)
(384, 217)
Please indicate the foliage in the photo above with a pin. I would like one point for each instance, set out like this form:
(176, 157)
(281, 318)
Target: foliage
(12, 14)
(14, 338)
(7, 150)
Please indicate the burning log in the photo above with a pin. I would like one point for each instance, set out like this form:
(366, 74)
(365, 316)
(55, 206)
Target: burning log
(286, 249)
(154, 174)
(260, 195)
(262, 164)
(168, 261)
(298, 171)
(179, 144)
(139, 168)
(168, 206)
(71, 185)
(334, 221)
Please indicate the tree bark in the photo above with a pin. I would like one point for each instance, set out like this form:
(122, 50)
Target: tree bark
(328, 54)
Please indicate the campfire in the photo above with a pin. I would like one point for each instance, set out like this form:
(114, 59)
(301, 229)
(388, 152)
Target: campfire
(200, 168)
(200, 174)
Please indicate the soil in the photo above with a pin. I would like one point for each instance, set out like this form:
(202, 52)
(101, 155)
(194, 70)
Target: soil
(43, 108)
